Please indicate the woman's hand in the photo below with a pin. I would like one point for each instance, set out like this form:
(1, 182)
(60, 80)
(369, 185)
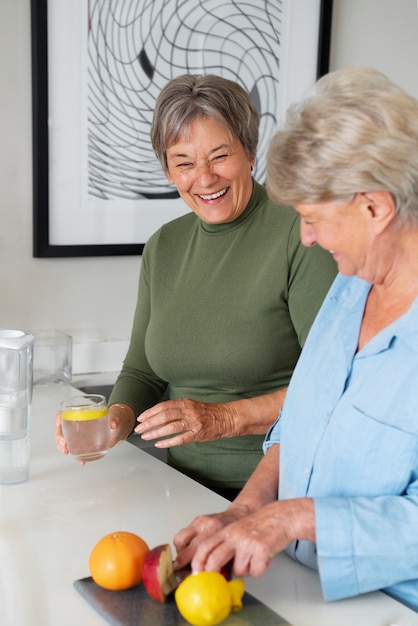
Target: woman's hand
(184, 421)
(188, 539)
(122, 422)
(252, 541)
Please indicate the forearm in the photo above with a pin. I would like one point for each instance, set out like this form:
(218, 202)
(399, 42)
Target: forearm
(252, 416)
(260, 496)
(262, 486)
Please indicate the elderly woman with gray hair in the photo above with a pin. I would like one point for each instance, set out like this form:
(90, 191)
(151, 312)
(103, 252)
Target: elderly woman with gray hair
(227, 294)
(338, 485)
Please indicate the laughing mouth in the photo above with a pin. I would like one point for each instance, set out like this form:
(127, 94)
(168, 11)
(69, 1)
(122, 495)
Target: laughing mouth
(214, 196)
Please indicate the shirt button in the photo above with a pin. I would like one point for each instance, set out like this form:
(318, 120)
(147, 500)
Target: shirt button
(326, 417)
(306, 469)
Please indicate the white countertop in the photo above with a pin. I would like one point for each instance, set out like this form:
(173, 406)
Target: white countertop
(49, 525)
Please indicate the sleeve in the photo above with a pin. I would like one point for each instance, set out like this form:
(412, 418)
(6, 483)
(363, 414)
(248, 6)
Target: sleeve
(273, 435)
(311, 273)
(137, 385)
(364, 544)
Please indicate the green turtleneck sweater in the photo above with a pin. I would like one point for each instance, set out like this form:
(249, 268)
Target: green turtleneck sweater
(222, 313)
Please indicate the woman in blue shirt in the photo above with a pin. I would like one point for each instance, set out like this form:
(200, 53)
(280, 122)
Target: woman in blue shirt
(346, 443)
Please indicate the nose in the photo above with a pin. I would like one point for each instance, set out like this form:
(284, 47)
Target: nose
(307, 234)
(205, 173)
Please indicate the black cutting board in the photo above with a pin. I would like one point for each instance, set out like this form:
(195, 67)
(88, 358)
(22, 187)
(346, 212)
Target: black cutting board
(134, 607)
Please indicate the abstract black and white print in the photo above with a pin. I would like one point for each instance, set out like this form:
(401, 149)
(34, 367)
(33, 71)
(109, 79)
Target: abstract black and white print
(136, 46)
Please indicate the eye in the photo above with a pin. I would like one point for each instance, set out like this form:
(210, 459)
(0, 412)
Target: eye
(308, 220)
(220, 157)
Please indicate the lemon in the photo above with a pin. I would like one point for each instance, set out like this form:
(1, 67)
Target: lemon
(207, 598)
(236, 589)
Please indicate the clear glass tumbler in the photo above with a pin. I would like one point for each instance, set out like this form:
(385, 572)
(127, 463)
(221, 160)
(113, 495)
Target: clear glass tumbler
(86, 426)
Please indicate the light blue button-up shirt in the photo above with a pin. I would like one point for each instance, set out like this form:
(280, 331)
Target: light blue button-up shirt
(349, 439)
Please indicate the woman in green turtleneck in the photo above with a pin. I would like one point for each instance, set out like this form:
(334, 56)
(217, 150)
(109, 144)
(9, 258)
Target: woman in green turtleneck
(226, 297)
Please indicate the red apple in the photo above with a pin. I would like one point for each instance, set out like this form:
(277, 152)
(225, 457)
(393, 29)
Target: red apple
(158, 573)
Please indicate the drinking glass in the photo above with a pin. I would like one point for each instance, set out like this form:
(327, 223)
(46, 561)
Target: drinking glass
(52, 358)
(86, 426)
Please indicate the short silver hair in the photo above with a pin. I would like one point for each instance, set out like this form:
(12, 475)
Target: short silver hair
(189, 97)
(356, 131)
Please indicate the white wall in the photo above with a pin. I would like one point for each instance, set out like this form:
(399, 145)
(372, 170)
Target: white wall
(46, 293)
(377, 33)
(90, 298)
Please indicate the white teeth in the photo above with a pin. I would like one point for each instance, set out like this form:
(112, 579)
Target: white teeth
(331, 251)
(213, 196)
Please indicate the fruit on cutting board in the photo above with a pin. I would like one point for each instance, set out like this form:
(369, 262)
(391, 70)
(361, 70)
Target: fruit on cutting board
(207, 598)
(116, 560)
(158, 572)
(159, 577)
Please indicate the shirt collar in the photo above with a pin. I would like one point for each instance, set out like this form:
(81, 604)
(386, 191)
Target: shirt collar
(353, 291)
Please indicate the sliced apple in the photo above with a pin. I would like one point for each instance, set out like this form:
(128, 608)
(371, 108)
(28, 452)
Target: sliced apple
(158, 573)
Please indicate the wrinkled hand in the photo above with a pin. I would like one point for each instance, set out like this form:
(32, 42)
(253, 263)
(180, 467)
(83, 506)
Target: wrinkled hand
(184, 421)
(252, 542)
(188, 539)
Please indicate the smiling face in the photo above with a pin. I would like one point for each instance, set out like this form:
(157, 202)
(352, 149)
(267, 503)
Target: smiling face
(211, 171)
(348, 230)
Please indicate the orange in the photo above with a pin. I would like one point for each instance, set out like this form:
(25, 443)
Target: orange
(116, 560)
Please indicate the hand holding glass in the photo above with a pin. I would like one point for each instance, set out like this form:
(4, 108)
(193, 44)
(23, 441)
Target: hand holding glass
(86, 426)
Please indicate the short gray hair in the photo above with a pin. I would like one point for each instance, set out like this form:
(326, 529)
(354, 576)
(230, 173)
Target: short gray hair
(356, 131)
(190, 97)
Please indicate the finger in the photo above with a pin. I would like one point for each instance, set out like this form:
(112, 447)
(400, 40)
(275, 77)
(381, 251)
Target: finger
(167, 430)
(184, 557)
(155, 424)
(114, 423)
(155, 412)
(185, 543)
(59, 437)
(200, 528)
(148, 433)
(212, 554)
(253, 555)
(177, 440)
(62, 445)
(114, 431)
(251, 562)
(184, 537)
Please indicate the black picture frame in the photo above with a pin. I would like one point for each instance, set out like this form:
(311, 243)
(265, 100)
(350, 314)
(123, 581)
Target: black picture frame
(43, 244)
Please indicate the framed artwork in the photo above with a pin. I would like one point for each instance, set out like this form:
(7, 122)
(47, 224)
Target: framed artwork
(97, 69)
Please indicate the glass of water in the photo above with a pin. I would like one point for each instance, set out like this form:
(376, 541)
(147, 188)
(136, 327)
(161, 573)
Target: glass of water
(86, 426)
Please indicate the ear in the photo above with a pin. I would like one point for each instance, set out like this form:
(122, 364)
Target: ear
(168, 177)
(381, 207)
